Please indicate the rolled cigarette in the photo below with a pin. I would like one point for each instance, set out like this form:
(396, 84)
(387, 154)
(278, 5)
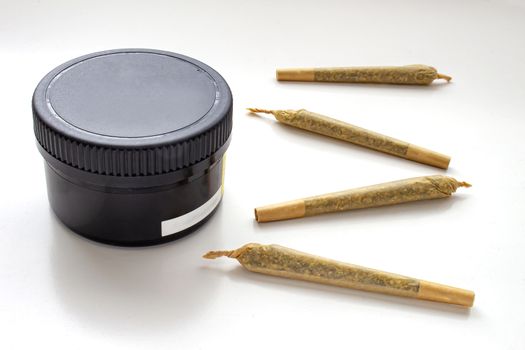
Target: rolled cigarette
(340, 130)
(396, 192)
(416, 74)
(288, 263)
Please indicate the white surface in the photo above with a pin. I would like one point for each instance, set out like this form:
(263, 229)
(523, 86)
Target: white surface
(60, 290)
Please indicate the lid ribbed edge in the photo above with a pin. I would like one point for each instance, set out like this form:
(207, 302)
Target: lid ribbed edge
(132, 162)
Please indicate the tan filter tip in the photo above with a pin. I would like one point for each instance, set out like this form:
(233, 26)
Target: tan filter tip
(295, 74)
(281, 211)
(445, 294)
(426, 156)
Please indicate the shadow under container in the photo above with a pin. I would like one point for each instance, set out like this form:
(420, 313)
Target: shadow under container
(133, 142)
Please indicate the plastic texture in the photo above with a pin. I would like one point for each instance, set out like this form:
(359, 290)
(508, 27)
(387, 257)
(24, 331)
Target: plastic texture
(132, 112)
(133, 138)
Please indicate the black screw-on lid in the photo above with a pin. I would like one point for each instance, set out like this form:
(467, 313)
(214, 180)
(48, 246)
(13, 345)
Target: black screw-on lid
(132, 112)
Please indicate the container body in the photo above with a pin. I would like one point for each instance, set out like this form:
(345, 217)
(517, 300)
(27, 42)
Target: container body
(134, 211)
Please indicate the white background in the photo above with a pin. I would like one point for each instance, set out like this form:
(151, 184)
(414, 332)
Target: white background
(60, 290)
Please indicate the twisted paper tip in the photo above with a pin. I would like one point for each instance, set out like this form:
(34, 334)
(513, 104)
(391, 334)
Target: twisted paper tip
(214, 254)
(444, 76)
(260, 110)
(445, 184)
(234, 254)
(464, 184)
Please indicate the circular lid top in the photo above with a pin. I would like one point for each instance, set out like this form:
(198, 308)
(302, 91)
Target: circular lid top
(132, 112)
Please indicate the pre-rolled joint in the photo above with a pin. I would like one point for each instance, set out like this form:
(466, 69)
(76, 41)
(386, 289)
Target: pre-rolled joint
(281, 211)
(295, 74)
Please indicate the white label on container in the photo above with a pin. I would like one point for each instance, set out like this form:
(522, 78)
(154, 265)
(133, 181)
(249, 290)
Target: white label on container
(187, 220)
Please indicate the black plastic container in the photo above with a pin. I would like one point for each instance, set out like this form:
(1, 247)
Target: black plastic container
(133, 142)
